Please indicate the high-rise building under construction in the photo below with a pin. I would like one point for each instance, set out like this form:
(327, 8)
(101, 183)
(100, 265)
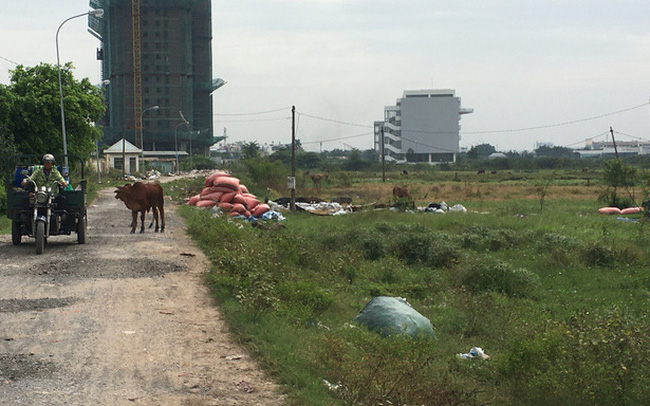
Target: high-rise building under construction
(157, 56)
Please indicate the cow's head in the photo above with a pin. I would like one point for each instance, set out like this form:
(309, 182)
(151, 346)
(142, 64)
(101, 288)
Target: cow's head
(122, 191)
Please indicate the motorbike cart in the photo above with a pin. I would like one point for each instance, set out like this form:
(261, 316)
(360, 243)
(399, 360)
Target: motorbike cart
(44, 212)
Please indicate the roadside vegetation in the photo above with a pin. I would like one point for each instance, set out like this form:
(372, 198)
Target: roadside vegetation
(556, 294)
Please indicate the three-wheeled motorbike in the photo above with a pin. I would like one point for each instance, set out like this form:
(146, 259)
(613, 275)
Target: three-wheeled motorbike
(44, 212)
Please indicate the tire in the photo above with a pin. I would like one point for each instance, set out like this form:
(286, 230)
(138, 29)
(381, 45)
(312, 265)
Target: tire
(16, 232)
(40, 237)
(81, 230)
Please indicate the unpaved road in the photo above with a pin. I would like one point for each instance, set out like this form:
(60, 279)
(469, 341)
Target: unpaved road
(122, 320)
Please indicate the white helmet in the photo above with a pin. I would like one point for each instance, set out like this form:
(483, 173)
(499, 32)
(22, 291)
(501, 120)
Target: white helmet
(48, 158)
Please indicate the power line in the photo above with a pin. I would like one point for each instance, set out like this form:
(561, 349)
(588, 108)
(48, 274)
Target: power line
(9, 60)
(251, 114)
(338, 139)
(558, 124)
(254, 120)
(632, 136)
(488, 131)
(336, 121)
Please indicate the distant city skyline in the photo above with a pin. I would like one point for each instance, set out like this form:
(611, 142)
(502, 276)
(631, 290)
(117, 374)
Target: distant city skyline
(558, 72)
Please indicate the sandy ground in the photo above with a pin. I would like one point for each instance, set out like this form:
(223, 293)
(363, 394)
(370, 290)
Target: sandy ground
(121, 320)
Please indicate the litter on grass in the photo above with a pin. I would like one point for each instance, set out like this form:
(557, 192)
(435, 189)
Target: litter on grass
(475, 352)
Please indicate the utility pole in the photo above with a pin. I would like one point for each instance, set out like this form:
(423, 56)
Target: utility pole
(614, 142)
(293, 158)
(123, 153)
(383, 156)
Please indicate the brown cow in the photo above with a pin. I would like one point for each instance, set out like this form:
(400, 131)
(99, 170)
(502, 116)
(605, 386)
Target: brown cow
(317, 178)
(140, 197)
(399, 192)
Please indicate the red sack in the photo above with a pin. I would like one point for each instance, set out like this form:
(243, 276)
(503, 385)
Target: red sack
(251, 203)
(205, 203)
(632, 210)
(261, 209)
(252, 196)
(243, 189)
(193, 200)
(210, 179)
(209, 190)
(215, 197)
(227, 197)
(239, 199)
(609, 210)
(227, 181)
(225, 206)
(239, 208)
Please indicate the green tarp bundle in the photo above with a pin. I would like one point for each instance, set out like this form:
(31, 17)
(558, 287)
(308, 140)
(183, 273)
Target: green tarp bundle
(392, 315)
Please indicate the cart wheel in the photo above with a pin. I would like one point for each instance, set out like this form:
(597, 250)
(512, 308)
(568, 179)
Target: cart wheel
(40, 237)
(81, 230)
(16, 232)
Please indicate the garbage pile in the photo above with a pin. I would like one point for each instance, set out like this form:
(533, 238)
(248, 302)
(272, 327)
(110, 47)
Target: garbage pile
(225, 192)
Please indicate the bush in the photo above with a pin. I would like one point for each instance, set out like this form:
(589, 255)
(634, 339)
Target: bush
(372, 370)
(489, 275)
(423, 249)
(587, 360)
(303, 300)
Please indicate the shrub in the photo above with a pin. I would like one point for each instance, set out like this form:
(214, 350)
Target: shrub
(373, 246)
(587, 360)
(372, 370)
(595, 254)
(489, 275)
(303, 300)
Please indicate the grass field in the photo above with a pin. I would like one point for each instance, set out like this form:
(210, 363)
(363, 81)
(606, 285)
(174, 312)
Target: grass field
(557, 297)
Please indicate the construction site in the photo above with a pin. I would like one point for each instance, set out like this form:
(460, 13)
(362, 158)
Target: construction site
(156, 63)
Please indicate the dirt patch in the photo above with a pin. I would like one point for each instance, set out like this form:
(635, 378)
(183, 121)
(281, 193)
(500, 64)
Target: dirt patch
(21, 305)
(124, 319)
(19, 366)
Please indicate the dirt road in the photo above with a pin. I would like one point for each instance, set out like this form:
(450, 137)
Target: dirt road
(121, 320)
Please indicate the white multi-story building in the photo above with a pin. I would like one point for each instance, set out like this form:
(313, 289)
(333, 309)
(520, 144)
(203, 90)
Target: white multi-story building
(423, 126)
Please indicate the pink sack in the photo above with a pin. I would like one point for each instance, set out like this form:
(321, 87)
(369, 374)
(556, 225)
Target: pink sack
(225, 206)
(227, 197)
(215, 197)
(228, 182)
(632, 210)
(261, 209)
(205, 203)
(210, 179)
(239, 199)
(609, 210)
(238, 207)
(193, 200)
(251, 203)
(209, 190)
(243, 189)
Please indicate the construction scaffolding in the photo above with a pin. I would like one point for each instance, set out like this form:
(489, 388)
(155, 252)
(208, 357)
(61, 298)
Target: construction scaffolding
(157, 53)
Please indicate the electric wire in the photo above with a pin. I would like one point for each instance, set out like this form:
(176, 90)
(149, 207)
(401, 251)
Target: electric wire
(338, 139)
(252, 114)
(9, 60)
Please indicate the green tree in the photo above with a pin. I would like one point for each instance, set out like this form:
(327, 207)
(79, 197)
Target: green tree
(618, 175)
(35, 113)
(480, 151)
(554, 152)
(250, 150)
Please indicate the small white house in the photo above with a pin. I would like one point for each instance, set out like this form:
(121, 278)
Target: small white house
(123, 152)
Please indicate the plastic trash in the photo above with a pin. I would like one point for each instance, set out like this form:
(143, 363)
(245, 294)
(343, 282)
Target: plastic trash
(459, 208)
(475, 352)
(394, 315)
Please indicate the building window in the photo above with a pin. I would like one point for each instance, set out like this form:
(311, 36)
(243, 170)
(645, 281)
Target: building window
(132, 166)
(118, 163)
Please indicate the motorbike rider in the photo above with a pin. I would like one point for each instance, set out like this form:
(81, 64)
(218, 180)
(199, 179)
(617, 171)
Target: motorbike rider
(47, 176)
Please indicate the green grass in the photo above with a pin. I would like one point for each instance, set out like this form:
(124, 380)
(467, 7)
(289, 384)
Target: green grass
(539, 292)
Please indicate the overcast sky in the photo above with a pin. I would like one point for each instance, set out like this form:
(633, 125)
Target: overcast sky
(525, 67)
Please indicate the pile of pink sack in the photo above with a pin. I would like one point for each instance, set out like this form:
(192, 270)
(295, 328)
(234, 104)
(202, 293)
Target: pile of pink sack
(616, 210)
(229, 195)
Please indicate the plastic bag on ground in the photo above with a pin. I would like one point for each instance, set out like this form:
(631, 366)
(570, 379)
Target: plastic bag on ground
(391, 315)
